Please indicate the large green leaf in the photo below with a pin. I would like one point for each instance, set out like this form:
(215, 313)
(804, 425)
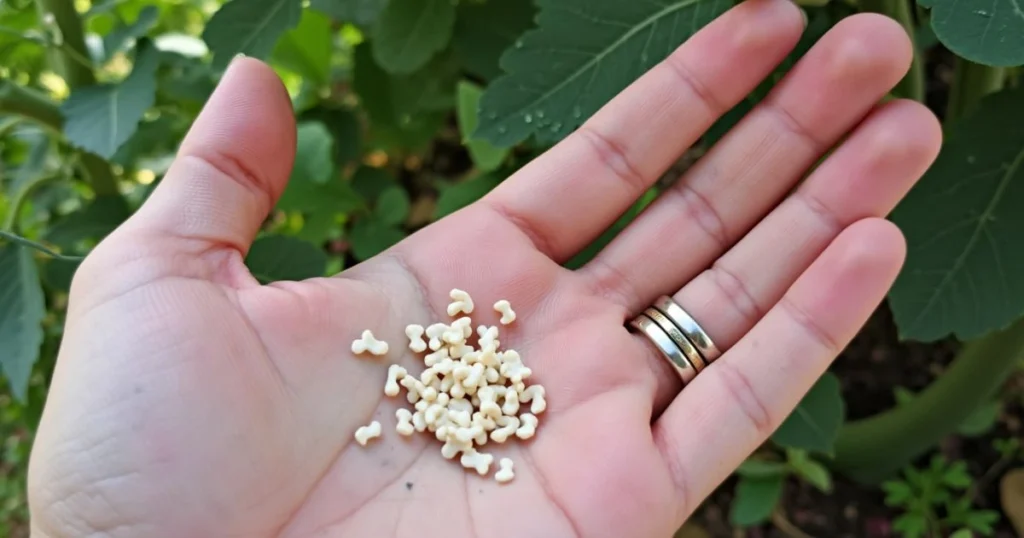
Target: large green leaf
(123, 34)
(21, 316)
(962, 221)
(280, 257)
(410, 32)
(989, 32)
(100, 118)
(456, 196)
(483, 31)
(815, 422)
(306, 49)
(755, 500)
(359, 12)
(392, 206)
(370, 237)
(581, 55)
(485, 156)
(249, 27)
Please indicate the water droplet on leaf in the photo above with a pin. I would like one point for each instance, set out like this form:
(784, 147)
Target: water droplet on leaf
(528, 118)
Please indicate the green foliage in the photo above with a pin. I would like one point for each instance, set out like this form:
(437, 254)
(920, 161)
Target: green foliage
(814, 424)
(306, 49)
(582, 53)
(21, 317)
(761, 483)
(100, 118)
(123, 34)
(755, 500)
(360, 12)
(249, 27)
(410, 32)
(935, 501)
(485, 30)
(961, 222)
(990, 33)
(485, 156)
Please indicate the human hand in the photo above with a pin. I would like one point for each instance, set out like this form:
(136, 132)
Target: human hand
(189, 400)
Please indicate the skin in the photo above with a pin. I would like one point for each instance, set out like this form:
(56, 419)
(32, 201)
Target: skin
(189, 400)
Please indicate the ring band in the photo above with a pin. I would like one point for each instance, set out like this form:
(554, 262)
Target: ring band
(693, 331)
(666, 346)
(682, 342)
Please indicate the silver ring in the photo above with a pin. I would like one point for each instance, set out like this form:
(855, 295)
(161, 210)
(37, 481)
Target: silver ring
(682, 342)
(689, 326)
(666, 346)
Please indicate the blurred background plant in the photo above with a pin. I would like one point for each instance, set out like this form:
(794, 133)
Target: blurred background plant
(410, 109)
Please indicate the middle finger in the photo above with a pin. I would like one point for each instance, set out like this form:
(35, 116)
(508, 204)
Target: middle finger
(827, 93)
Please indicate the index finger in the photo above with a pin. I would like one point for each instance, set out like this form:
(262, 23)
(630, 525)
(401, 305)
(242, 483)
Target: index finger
(567, 197)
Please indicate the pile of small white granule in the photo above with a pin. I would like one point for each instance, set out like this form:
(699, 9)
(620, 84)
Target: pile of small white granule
(467, 396)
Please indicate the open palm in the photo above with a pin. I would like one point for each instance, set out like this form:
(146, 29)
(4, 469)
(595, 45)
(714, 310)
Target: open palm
(189, 400)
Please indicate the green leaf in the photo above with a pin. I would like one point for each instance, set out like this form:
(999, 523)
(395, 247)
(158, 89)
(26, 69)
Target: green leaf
(392, 206)
(483, 31)
(360, 12)
(455, 196)
(956, 475)
(344, 128)
(370, 237)
(811, 471)
(249, 27)
(760, 469)
(122, 35)
(982, 420)
(582, 54)
(151, 137)
(897, 493)
(983, 31)
(982, 521)
(911, 525)
(370, 182)
(962, 533)
(280, 257)
(409, 32)
(903, 395)
(815, 422)
(93, 221)
(314, 153)
(24, 307)
(755, 500)
(962, 223)
(100, 118)
(306, 49)
(485, 156)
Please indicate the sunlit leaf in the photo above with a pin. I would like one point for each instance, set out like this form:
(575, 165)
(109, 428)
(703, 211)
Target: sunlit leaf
(100, 118)
(123, 34)
(250, 27)
(485, 156)
(306, 49)
(582, 53)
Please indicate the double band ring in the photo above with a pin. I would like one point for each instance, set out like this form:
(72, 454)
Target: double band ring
(677, 337)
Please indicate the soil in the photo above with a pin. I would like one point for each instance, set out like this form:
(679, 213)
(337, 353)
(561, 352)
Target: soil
(871, 366)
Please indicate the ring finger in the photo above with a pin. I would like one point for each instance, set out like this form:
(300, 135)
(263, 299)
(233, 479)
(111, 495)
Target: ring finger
(864, 178)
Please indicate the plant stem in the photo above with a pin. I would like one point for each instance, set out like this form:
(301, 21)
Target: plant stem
(971, 82)
(871, 449)
(72, 36)
(20, 197)
(912, 85)
(28, 103)
(77, 74)
(17, 239)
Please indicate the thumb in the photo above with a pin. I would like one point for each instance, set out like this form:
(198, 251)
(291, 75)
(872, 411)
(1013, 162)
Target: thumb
(229, 172)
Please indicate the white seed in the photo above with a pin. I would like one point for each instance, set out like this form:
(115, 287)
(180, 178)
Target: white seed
(471, 459)
(395, 373)
(483, 421)
(528, 426)
(511, 405)
(436, 357)
(461, 302)
(367, 342)
(492, 375)
(504, 473)
(422, 406)
(415, 335)
(418, 421)
(460, 405)
(505, 309)
(474, 379)
(457, 351)
(365, 433)
(515, 372)
(404, 426)
(536, 394)
(507, 427)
